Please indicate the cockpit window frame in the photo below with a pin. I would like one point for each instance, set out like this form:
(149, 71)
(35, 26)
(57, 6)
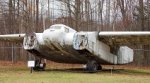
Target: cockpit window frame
(56, 27)
(66, 29)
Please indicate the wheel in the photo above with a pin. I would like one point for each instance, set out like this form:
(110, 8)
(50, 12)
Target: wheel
(43, 66)
(91, 66)
(37, 63)
(99, 67)
(39, 66)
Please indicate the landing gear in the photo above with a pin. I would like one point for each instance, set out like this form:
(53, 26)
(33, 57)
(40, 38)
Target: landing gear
(93, 66)
(99, 67)
(39, 65)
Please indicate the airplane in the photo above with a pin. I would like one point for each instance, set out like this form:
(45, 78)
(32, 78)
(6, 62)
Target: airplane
(62, 44)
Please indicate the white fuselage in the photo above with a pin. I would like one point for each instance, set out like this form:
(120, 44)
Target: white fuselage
(56, 44)
(62, 44)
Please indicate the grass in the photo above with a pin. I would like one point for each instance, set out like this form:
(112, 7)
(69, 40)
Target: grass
(21, 74)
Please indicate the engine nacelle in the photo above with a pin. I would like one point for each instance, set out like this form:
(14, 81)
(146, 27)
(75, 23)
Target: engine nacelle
(30, 41)
(125, 55)
(80, 41)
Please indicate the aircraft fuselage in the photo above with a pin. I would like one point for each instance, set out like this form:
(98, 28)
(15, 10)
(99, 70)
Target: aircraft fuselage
(62, 44)
(56, 45)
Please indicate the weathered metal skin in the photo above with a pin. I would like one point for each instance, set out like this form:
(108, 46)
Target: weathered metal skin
(55, 45)
(62, 44)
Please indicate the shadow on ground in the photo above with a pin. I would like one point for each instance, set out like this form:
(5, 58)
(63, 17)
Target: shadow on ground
(114, 71)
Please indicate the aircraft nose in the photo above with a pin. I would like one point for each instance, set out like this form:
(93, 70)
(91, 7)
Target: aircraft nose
(51, 35)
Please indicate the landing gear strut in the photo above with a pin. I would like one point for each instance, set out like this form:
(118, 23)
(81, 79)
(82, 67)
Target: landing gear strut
(93, 66)
(39, 65)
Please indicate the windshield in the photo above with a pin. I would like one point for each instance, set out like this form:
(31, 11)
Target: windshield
(55, 27)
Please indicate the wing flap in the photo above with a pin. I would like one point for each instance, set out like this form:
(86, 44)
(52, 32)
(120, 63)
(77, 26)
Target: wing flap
(125, 38)
(12, 37)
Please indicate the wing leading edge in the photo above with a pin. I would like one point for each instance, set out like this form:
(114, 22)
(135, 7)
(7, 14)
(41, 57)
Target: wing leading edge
(125, 38)
(12, 37)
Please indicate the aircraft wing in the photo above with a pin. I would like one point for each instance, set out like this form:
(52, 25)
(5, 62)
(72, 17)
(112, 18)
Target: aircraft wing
(12, 37)
(125, 38)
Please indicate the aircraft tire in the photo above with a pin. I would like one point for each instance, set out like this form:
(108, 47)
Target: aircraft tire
(99, 67)
(38, 66)
(92, 66)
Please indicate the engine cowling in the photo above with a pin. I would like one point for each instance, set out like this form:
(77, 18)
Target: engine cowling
(30, 41)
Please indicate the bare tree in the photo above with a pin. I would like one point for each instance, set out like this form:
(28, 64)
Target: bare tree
(100, 12)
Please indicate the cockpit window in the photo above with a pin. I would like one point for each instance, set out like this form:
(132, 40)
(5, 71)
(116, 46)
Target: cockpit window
(55, 27)
(66, 30)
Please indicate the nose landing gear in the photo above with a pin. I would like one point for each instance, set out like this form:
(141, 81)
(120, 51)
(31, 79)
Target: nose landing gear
(39, 65)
